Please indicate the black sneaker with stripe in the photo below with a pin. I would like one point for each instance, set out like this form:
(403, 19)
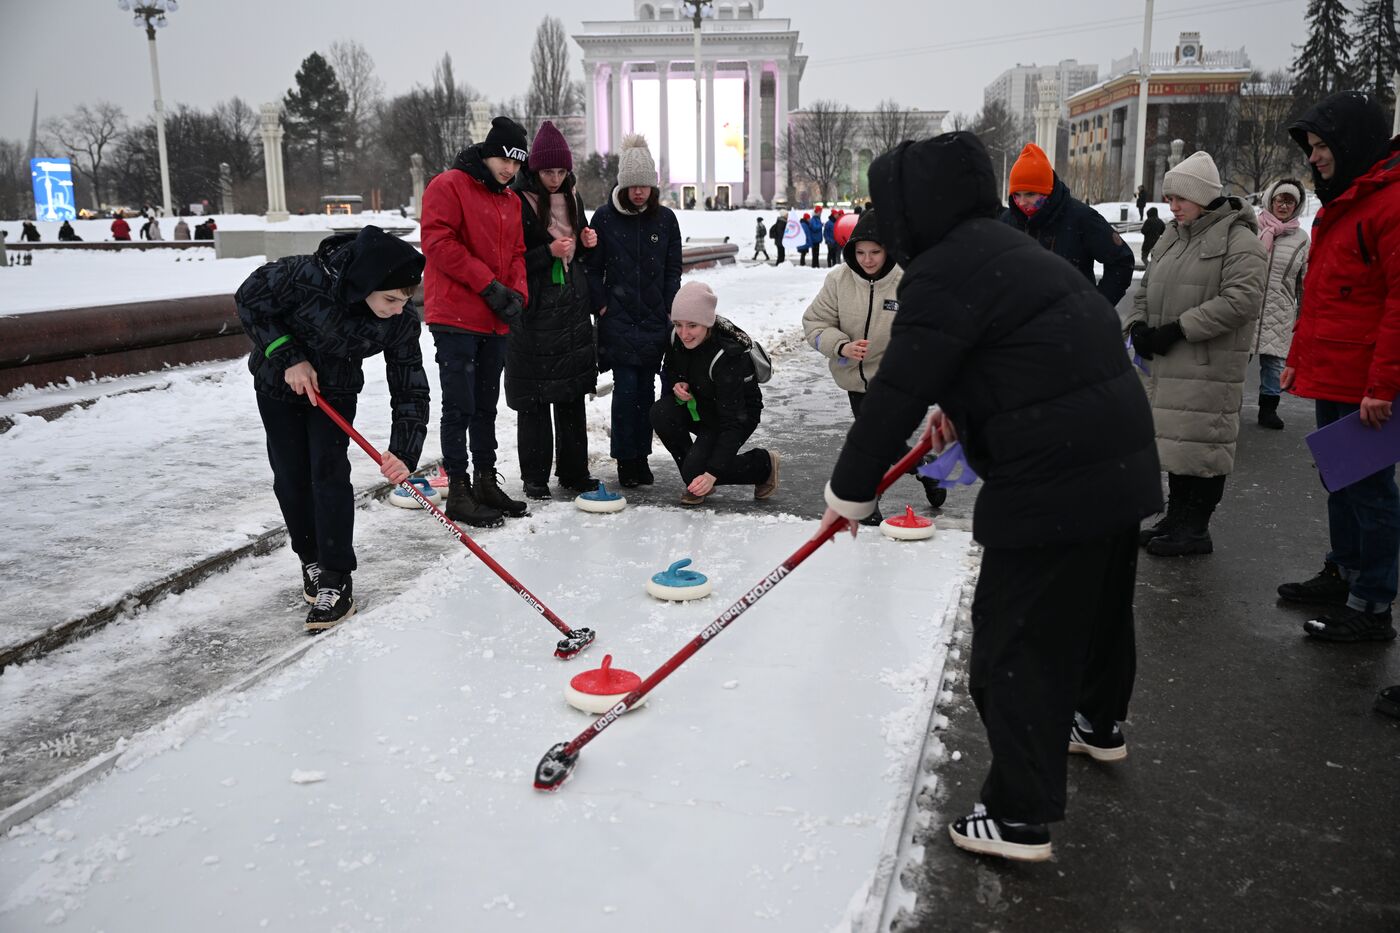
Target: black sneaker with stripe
(334, 602)
(983, 833)
(1105, 744)
(310, 576)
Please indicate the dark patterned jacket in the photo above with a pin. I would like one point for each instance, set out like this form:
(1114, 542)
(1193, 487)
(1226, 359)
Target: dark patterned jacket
(291, 311)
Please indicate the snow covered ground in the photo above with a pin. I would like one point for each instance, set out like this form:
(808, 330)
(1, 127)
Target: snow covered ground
(768, 768)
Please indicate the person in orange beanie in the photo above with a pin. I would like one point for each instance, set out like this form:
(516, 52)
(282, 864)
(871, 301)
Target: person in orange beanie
(1040, 204)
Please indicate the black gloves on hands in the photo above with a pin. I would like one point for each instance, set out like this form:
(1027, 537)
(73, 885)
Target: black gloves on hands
(1155, 341)
(506, 302)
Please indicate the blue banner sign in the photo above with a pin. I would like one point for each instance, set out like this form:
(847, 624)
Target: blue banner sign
(53, 189)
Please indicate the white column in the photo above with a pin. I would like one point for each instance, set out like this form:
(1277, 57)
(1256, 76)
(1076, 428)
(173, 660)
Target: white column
(590, 107)
(780, 119)
(754, 194)
(1144, 73)
(271, 126)
(663, 77)
(710, 130)
(614, 106)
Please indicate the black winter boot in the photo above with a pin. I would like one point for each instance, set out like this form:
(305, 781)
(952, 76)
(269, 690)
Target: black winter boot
(633, 472)
(1171, 518)
(487, 483)
(535, 490)
(1192, 533)
(1268, 412)
(462, 506)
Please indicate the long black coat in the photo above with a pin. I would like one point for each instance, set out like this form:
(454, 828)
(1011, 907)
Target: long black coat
(303, 298)
(1018, 349)
(634, 272)
(1076, 232)
(722, 381)
(1152, 230)
(550, 355)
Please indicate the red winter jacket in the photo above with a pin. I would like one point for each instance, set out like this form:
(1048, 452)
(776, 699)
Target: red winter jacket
(1346, 344)
(121, 230)
(471, 234)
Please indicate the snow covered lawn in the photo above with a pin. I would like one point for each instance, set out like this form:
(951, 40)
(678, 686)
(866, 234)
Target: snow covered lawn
(384, 782)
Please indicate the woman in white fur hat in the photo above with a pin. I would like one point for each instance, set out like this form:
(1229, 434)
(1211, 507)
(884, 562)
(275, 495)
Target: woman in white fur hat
(1287, 245)
(1193, 323)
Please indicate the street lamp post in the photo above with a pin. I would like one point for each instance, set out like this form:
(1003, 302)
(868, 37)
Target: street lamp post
(151, 14)
(1144, 78)
(698, 14)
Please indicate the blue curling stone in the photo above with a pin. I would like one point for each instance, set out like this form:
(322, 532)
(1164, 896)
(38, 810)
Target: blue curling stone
(678, 584)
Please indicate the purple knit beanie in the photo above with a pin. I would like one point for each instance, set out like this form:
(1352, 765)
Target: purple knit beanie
(550, 150)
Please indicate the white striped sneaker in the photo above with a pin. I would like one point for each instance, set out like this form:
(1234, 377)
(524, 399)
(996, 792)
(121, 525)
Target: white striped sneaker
(1100, 746)
(981, 832)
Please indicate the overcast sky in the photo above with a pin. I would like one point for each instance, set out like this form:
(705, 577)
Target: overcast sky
(931, 54)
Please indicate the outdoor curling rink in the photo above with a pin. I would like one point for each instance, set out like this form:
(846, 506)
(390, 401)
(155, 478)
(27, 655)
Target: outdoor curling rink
(382, 780)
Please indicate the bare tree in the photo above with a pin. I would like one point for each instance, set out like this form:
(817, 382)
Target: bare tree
(819, 138)
(552, 91)
(431, 121)
(1002, 136)
(85, 136)
(354, 68)
(889, 124)
(961, 121)
(1265, 149)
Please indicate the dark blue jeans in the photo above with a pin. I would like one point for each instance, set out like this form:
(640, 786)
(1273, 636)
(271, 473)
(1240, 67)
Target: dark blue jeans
(469, 370)
(1364, 521)
(634, 391)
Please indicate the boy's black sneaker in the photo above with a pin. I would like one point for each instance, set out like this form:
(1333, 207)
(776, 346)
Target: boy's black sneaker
(310, 575)
(462, 506)
(334, 602)
(1098, 744)
(1326, 589)
(1348, 624)
(981, 832)
(486, 485)
(536, 490)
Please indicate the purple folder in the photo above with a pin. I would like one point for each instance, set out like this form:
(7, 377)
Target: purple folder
(1346, 450)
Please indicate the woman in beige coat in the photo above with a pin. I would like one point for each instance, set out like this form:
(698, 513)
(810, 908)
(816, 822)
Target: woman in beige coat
(849, 321)
(1193, 322)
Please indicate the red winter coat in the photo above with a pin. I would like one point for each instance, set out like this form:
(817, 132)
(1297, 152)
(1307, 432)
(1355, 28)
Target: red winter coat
(121, 230)
(471, 234)
(1346, 344)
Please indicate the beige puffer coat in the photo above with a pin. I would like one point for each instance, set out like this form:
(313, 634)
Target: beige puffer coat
(850, 307)
(1210, 278)
(1283, 293)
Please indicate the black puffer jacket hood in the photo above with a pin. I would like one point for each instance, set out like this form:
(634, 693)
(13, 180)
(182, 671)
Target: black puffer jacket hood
(924, 189)
(368, 261)
(1356, 130)
(867, 230)
(471, 161)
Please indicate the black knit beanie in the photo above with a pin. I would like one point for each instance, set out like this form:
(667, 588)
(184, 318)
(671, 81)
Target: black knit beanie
(506, 140)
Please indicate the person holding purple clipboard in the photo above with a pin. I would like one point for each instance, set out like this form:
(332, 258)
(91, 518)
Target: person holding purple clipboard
(1346, 356)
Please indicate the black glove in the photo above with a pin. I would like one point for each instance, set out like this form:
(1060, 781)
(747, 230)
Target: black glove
(1138, 334)
(1161, 339)
(513, 309)
(497, 296)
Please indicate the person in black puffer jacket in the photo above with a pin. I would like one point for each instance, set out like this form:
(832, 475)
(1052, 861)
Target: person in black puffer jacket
(1027, 363)
(715, 396)
(1041, 205)
(313, 320)
(633, 276)
(551, 361)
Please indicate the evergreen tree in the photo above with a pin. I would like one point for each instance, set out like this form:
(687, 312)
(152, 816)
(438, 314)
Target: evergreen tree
(1377, 49)
(1323, 65)
(317, 117)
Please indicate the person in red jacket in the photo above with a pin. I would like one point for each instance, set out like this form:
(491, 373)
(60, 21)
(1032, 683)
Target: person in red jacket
(474, 286)
(1346, 353)
(121, 230)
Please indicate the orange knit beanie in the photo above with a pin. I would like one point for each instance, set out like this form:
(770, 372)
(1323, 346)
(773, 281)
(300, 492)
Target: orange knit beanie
(1032, 172)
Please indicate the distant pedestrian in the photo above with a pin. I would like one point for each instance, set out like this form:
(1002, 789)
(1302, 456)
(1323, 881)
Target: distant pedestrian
(121, 230)
(815, 235)
(776, 233)
(1346, 355)
(829, 237)
(1287, 245)
(1193, 321)
(66, 233)
(760, 241)
(182, 229)
(28, 233)
(150, 230)
(804, 239)
(1152, 230)
(313, 320)
(1141, 199)
(4, 258)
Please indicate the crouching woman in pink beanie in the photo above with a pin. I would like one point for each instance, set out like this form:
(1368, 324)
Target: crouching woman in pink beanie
(715, 402)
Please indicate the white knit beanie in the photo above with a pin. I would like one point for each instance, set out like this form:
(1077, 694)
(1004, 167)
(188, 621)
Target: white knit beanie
(1196, 179)
(1285, 187)
(635, 167)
